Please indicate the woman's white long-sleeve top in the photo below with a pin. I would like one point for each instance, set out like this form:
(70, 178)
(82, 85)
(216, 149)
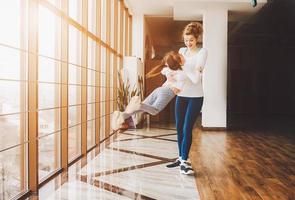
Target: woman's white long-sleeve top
(193, 68)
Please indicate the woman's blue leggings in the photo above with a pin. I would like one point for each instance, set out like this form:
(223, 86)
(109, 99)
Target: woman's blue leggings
(187, 110)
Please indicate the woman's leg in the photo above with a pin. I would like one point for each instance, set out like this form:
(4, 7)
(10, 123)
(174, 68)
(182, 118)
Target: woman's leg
(192, 112)
(180, 109)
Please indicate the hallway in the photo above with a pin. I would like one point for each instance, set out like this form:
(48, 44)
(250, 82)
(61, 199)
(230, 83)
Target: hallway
(229, 165)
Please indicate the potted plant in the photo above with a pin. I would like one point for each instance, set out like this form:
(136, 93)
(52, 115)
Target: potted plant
(124, 95)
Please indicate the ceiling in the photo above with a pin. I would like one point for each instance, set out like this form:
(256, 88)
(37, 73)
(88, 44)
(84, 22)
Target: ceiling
(165, 19)
(193, 9)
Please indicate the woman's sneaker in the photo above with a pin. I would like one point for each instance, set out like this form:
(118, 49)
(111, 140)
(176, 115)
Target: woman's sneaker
(176, 163)
(186, 168)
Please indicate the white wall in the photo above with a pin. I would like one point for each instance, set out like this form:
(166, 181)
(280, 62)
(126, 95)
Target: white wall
(138, 35)
(215, 76)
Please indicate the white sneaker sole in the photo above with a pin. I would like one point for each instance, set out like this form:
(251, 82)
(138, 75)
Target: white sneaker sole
(117, 120)
(114, 120)
(187, 173)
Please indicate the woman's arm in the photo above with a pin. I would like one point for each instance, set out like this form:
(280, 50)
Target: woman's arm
(201, 60)
(195, 74)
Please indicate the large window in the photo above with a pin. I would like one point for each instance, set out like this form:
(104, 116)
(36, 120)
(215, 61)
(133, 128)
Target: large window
(75, 88)
(58, 83)
(13, 97)
(91, 73)
(49, 84)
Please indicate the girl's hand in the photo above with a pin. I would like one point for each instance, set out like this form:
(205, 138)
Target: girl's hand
(175, 90)
(171, 77)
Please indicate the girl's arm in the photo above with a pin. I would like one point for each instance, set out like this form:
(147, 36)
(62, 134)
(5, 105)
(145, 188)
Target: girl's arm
(166, 71)
(180, 77)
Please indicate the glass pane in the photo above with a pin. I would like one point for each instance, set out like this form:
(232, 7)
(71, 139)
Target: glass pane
(49, 121)
(75, 38)
(92, 16)
(111, 106)
(75, 10)
(49, 95)
(91, 77)
(112, 31)
(103, 59)
(120, 31)
(56, 3)
(74, 142)
(49, 154)
(49, 33)
(74, 74)
(12, 174)
(11, 96)
(13, 64)
(74, 95)
(90, 134)
(102, 128)
(102, 94)
(49, 70)
(13, 20)
(111, 64)
(102, 79)
(91, 111)
(102, 109)
(12, 130)
(91, 53)
(111, 82)
(103, 20)
(91, 94)
(74, 115)
(124, 34)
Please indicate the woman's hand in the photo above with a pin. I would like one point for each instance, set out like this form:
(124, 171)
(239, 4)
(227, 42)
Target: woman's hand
(199, 69)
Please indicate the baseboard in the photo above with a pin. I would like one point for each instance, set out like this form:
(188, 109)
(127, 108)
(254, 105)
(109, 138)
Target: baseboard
(213, 128)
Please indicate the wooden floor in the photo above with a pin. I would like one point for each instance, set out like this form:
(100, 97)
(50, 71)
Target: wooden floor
(240, 165)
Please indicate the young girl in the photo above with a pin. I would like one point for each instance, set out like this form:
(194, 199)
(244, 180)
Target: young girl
(171, 67)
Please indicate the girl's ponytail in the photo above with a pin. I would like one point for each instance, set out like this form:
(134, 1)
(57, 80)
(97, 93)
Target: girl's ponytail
(156, 70)
(171, 60)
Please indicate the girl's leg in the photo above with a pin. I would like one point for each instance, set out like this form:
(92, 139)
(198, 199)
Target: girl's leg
(146, 106)
(158, 101)
(149, 109)
(192, 112)
(142, 108)
(154, 103)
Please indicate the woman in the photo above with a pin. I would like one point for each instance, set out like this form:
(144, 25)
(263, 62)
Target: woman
(171, 66)
(189, 100)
